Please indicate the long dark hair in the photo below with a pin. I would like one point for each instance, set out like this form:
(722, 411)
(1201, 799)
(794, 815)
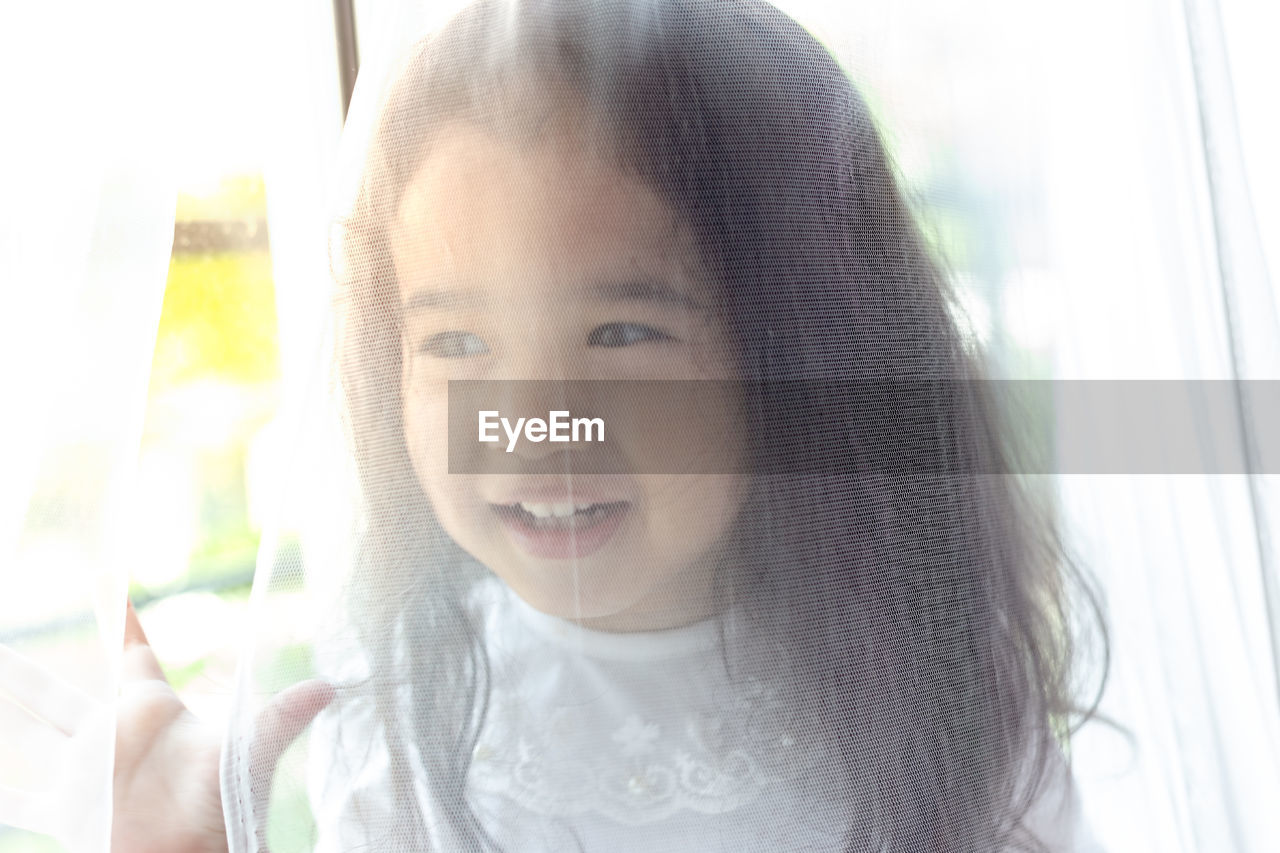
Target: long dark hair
(923, 622)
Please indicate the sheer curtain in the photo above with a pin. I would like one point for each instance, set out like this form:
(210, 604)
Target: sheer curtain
(1097, 175)
(86, 223)
(107, 109)
(1106, 138)
(1169, 281)
(1135, 227)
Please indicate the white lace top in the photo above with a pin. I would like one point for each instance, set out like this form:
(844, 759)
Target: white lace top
(632, 742)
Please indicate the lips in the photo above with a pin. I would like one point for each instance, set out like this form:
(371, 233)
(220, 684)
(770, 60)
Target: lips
(561, 530)
(553, 511)
(559, 518)
(552, 516)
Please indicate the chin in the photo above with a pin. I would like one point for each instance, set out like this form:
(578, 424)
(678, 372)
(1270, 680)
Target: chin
(563, 598)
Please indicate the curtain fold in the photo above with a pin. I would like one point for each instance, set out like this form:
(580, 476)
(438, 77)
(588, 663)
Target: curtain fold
(87, 201)
(1185, 562)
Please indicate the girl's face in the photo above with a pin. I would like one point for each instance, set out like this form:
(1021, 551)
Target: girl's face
(540, 260)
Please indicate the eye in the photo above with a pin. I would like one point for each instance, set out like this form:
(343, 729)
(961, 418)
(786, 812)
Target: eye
(453, 345)
(624, 335)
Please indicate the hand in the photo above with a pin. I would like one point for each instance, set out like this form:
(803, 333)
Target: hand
(166, 780)
(167, 794)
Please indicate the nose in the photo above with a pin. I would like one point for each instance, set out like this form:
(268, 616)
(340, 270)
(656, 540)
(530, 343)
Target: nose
(535, 374)
(538, 373)
(523, 403)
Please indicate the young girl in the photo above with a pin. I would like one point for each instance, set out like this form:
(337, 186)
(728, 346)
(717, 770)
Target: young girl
(826, 640)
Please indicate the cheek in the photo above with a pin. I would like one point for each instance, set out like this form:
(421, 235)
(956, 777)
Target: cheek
(665, 428)
(690, 514)
(426, 432)
(449, 496)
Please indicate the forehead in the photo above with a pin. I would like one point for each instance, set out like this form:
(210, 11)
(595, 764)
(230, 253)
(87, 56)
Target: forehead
(483, 211)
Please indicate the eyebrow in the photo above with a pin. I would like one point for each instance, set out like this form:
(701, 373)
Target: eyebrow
(442, 299)
(646, 290)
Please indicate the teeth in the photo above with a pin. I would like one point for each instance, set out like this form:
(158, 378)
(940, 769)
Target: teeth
(553, 510)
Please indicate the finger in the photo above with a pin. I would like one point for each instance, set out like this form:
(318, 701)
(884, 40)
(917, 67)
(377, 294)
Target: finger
(133, 632)
(59, 703)
(275, 728)
(139, 662)
(284, 718)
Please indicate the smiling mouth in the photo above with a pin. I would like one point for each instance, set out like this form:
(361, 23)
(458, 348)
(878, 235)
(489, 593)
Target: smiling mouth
(559, 516)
